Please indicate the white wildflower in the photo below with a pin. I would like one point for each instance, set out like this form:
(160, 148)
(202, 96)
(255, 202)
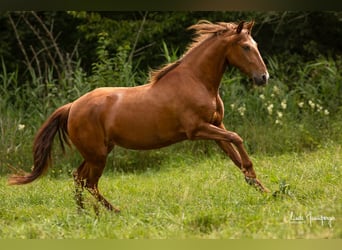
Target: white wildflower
(275, 89)
(326, 112)
(21, 126)
(312, 104)
(242, 110)
(300, 104)
(278, 122)
(319, 108)
(283, 104)
(270, 109)
(262, 97)
(232, 106)
(279, 114)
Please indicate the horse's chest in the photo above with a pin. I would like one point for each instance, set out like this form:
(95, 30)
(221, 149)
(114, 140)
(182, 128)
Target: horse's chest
(210, 111)
(216, 118)
(217, 113)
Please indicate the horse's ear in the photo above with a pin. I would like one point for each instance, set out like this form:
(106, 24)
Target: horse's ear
(249, 26)
(240, 27)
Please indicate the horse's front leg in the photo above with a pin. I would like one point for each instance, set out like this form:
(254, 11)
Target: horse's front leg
(228, 148)
(224, 138)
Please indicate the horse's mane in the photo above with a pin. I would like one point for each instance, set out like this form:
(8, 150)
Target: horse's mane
(203, 30)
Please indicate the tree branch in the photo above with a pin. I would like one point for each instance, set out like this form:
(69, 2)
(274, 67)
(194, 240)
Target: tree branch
(137, 37)
(53, 40)
(22, 48)
(46, 48)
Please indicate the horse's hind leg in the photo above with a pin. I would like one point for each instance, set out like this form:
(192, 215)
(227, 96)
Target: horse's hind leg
(79, 186)
(88, 175)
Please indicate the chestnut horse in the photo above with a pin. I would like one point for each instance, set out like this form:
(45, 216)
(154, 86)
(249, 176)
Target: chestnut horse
(181, 102)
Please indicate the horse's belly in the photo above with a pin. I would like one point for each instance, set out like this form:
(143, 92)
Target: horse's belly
(145, 130)
(145, 144)
(135, 137)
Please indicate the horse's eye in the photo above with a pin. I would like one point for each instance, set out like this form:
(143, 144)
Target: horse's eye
(246, 47)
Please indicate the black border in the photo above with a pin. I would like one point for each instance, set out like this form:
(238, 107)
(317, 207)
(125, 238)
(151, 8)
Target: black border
(170, 5)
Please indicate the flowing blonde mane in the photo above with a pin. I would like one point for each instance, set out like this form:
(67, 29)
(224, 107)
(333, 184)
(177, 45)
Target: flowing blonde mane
(203, 31)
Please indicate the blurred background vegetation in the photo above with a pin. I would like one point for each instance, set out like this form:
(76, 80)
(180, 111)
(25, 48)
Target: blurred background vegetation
(303, 35)
(51, 58)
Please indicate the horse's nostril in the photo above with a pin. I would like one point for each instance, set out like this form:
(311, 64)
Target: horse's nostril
(261, 79)
(265, 77)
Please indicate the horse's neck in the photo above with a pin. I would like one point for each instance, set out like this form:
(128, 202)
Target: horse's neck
(207, 63)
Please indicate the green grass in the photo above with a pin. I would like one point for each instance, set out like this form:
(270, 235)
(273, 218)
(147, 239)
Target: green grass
(186, 196)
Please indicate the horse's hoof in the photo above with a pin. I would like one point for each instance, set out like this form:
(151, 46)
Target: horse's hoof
(111, 208)
(257, 184)
(117, 210)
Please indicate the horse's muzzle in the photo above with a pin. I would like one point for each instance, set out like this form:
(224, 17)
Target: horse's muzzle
(261, 79)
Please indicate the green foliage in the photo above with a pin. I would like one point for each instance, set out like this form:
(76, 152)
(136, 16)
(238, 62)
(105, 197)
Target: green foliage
(301, 33)
(112, 71)
(171, 55)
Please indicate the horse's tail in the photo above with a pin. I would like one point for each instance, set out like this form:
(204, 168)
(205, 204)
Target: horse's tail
(42, 146)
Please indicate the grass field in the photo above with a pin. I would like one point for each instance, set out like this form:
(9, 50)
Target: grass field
(187, 196)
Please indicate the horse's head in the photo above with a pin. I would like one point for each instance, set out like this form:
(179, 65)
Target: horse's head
(243, 53)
